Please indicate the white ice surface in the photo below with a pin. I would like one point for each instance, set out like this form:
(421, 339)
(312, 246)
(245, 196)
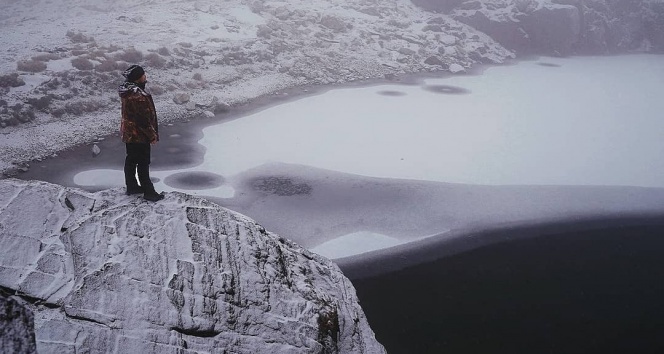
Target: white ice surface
(356, 243)
(591, 121)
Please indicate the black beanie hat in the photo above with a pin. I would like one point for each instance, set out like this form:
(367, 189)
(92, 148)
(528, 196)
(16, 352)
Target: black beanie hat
(133, 73)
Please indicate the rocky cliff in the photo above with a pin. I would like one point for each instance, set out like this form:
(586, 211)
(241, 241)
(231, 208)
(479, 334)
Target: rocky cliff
(563, 27)
(105, 272)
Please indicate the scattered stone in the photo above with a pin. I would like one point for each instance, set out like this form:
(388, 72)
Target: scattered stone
(221, 107)
(435, 61)
(33, 66)
(208, 114)
(448, 40)
(406, 51)
(181, 98)
(11, 80)
(79, 37)
(95, 150)
(5, 120)
(456, 68)
(23, 114)
(204, 105)
(333, 23)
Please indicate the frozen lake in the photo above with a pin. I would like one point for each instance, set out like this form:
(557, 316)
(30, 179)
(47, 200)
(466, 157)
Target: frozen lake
(553, 121)
(576, 121)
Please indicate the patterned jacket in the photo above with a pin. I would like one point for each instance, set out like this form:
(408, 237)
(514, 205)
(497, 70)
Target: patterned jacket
(139, 116)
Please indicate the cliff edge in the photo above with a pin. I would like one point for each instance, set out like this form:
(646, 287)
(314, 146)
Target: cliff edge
(105, 272)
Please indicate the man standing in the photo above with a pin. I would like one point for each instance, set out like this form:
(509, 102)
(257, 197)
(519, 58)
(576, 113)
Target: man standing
(139, 130)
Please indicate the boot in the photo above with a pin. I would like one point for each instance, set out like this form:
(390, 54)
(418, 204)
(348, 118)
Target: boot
(134, 190)
(153, 196)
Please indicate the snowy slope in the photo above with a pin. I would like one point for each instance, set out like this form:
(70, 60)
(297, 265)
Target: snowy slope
(61, 61)
(106, 272)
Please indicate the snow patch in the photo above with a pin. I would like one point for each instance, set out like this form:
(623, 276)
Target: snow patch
(356, 243)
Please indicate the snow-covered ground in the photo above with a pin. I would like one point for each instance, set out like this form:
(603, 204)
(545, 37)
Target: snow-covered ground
(66, 58)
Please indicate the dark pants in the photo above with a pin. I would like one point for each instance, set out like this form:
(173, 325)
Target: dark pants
(138, 160)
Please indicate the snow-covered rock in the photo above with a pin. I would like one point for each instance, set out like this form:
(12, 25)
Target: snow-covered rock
(456, 68)
(553, 29)
(181, 98)
(17, 333)
(564, 27)
(96, 150)
(107, 272)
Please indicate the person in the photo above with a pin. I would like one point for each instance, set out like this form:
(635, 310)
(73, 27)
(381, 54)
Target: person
(139, 130)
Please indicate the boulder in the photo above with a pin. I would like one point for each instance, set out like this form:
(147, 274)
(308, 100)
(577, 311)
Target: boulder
(181, 98)
(456, 68)
(95, 150)
(434, 61)
(448, 39)
(334, 23)
(190, 106)
(114, 273)
(221, 107)
(11, 80)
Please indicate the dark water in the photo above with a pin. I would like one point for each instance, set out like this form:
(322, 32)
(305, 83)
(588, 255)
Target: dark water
(597, 291)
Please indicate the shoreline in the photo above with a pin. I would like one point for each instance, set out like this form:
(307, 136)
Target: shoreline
(464, 240)
(82, 150)
(250, 106)
(239, 110)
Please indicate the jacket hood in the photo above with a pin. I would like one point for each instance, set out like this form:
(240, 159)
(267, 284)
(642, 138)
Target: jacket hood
(129, 87)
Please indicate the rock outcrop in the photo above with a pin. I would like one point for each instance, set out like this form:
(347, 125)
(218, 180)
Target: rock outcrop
(17, 332)
(105, 272)
(563, 27)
